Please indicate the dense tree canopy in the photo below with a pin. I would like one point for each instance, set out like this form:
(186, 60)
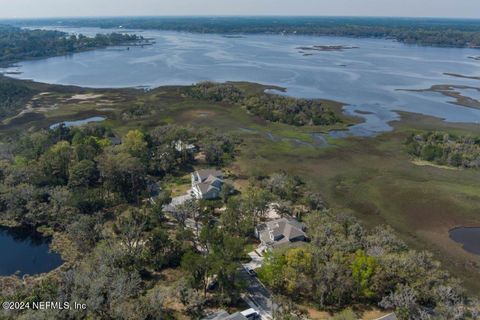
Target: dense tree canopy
(445, 149)
(271, 107)
(22, 44)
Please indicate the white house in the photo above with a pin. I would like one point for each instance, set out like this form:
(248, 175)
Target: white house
(181, 146)
(207, 183)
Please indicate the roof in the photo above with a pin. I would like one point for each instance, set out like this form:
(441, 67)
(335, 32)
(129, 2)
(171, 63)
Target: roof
(205, 187)
(115, 140)
(236, 316)
(285, 230)
(206, 173)
(181, 146)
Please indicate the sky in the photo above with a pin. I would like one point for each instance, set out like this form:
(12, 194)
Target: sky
(79, 8)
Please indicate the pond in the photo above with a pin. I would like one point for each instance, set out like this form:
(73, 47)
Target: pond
(26, 252)
(469, 237)
(77, 123)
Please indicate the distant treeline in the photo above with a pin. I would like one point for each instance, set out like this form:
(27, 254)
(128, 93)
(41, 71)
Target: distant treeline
(22, 44)
(428, 32)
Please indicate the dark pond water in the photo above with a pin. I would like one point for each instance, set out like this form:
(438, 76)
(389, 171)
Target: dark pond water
(25, 252)
(469, 237)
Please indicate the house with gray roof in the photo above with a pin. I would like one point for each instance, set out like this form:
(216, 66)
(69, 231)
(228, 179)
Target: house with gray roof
(280, 231)
(207, 184)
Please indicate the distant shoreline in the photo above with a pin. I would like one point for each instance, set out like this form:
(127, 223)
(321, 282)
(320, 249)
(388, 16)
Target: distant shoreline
(436, 32)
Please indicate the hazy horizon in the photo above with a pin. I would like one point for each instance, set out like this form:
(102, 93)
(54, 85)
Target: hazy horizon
(31, 9)
(235, 16)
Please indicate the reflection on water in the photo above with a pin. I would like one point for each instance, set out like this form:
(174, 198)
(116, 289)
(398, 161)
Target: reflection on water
(26, 252)
(469, 237)
(77, 123)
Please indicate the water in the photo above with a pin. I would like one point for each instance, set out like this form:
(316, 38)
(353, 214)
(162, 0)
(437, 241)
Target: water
(77, 123)
(26, 252)
(366, 78)
(469, 237)
(471, 93)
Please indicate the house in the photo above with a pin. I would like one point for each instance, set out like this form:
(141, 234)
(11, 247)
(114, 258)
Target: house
(280, 231)
(181, 146)
(207, 183)
(115, 140)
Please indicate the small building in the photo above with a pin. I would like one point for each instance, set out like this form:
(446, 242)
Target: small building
(181, 146)
(281, 231)
(115, 140)
(207, 184)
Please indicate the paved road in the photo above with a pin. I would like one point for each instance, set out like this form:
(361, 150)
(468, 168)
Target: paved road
(259, 295)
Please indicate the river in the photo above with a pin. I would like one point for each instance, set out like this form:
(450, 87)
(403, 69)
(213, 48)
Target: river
(365, 77)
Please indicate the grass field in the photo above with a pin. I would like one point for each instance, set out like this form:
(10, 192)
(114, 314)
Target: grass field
(374, 178)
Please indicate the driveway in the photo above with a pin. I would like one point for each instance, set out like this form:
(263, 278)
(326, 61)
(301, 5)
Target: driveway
(176, 201)
(255, 263)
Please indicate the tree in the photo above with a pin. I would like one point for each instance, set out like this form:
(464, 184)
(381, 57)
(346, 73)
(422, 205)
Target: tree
(188, 209)
(226, 191)
(256, 203)
(85, 232)
(83, 174)
(235, 220)
(135, 143)
(163, 198)
(130, 227)
(100, 285)
(199, 268)
(363, 269)
(123, 174)
(163, 251)
(271, 272)
(315, 201)
(56, 162)
(298, 271)
(86, 148)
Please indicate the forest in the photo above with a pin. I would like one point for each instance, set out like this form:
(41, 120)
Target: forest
(268, 106)
(18, 44)
(13, 96)
(92, 195)
(424, 31)
(445, 149)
